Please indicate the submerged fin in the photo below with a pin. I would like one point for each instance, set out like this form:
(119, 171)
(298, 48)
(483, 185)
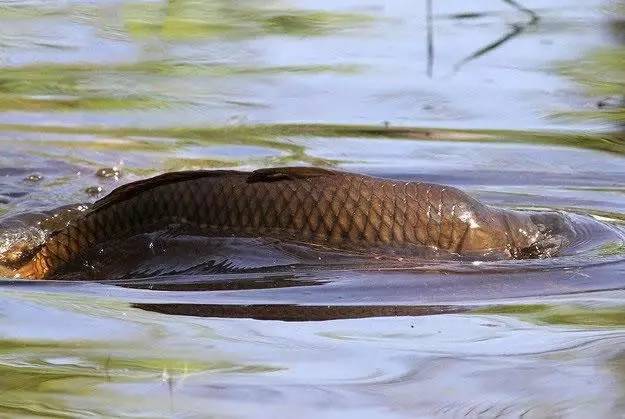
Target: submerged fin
(287, 173)
(203, 268)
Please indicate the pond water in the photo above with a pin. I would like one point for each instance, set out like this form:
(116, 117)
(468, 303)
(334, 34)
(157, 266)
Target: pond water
(517, 103)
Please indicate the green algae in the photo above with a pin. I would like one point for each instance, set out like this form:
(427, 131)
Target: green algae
(174, 164)
(601, 73)
(73, 377)
(35, 104)
(561, 315)
(35, 375)
(612, 249)
(80, 87)
(273, 134)
(194, 19)
(147, 151)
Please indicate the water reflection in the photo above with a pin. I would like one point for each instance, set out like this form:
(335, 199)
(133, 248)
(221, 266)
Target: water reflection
(166, 365)
(516, 30)
(286, 312)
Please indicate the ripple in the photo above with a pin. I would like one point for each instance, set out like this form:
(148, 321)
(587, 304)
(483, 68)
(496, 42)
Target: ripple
(255, 278)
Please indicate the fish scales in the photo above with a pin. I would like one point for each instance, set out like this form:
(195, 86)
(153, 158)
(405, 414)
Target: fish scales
(322, 207)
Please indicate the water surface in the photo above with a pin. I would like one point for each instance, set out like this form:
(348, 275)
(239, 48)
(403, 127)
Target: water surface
(521, 108)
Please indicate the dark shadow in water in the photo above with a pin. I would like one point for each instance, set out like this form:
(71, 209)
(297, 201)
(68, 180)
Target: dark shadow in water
(327, 294)
(223, 283)
(298, 313)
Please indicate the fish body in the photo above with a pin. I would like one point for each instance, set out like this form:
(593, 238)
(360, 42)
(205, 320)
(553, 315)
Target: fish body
(332, 209)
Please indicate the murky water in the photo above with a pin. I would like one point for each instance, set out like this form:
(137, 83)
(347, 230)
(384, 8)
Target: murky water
(520, 107)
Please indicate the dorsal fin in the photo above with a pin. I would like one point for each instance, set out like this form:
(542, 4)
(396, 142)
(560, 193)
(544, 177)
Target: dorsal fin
(129, 190)
(287, 173)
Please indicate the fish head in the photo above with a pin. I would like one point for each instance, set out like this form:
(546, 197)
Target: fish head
(487, 235)
(504, 234)
(538, 235)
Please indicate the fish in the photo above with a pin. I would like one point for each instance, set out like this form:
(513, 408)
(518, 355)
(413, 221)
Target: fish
(326, 208)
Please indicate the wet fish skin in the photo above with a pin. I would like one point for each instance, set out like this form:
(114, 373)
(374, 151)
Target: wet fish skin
(22, 234)
(329, 208)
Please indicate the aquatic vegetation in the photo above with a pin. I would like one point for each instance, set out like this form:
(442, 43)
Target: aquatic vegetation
(32, 9)
(193, 19)
(35, 373)
(84, 87)
(610, 249)
(274, 135)
(63, 376)
(174, 164)
(602, 73)
(611, 216)
(519, 309)
(123, 144)
(117, 86)
(49, 87)
(166, 149)
(309, 23)
(606, 115)
(561, 314)
(35, 104)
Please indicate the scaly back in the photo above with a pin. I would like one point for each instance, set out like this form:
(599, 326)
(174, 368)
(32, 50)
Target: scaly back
(334, 209)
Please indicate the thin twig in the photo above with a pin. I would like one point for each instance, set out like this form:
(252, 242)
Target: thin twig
(532, 14)
(430, 38)
(517, 29)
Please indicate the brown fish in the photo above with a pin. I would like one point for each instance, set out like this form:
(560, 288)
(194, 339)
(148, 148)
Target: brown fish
(333, 209)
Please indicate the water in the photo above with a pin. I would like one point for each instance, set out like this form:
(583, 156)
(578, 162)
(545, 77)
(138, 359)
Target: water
(520, 113)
